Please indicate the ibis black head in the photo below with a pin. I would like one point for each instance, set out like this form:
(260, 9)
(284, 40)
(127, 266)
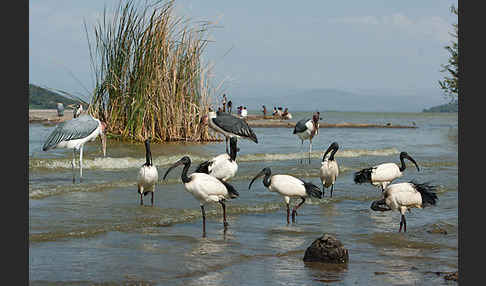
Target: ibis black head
(405, 155)
(183, 161)
(333, 147)
(265, 172)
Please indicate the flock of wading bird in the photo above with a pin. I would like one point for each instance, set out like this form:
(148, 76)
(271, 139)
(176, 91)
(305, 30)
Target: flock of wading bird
(209, 182)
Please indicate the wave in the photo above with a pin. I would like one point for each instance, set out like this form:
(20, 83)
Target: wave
(130, 162)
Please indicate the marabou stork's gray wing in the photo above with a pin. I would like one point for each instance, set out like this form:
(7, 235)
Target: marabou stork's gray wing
(75, 128)
(235, 125)
(300, 125)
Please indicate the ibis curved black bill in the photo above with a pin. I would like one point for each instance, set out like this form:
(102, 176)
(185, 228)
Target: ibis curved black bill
(178, 163)
(413, 161)
(262, 172)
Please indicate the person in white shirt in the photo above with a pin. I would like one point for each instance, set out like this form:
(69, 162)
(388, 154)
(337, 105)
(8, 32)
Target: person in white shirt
(244, 112)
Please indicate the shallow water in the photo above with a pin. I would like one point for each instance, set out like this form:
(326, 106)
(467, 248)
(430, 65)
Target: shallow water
(97, 232)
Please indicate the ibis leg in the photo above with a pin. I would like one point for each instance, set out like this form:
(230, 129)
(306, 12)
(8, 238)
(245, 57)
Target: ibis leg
(294, 211)
(152, 199)
(301, 151)
(81, 164)
(332, 187)
(204, 221)
(141, 198)
(288, 213)
(73, 163)
(223, 205)
(403, 223)
(310, 150)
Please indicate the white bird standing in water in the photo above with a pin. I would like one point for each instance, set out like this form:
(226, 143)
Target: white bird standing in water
(147, 176)
(329, 168)
(288, 186)
(205, 188)
(383, 174)
(403, 196)
(307, 128)
(223, 166)
(73, 134)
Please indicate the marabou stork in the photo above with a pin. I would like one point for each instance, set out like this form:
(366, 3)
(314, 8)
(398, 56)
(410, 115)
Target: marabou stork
(229, 126)
(329, 168)
(383, 174)
(307, 128)
(223, 166)
(288, 186)
(72, 134)
(205, 188)
(403, 196)
(147, 176)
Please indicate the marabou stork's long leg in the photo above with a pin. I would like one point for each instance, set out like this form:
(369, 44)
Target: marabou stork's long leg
(81, 164)
(204, 220)
(73, 163)
(288, 214)
(404, 223)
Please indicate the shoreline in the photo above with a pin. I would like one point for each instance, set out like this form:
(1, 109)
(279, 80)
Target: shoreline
(49, 117)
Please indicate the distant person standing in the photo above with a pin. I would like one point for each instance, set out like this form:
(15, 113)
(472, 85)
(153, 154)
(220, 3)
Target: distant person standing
(264, 110)
(224, 102)
(230, 106)
(60, 109)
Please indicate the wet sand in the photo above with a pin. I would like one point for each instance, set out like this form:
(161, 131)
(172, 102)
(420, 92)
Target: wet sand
(49, 116)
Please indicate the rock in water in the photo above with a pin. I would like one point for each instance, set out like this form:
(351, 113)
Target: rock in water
(326, 249)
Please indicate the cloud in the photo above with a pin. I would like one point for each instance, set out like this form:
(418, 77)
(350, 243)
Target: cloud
(431, 26)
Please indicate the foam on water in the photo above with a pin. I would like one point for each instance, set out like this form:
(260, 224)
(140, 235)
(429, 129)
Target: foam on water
(130, 162)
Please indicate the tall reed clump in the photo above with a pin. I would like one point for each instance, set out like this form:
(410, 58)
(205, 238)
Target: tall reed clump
(150, 79)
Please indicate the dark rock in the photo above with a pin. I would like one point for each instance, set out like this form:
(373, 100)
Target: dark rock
(326, 249)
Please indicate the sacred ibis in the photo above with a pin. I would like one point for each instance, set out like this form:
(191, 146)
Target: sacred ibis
(383, 174)
(288, 186)
(329, 168)
(229, 126)
(403, 196)
(72, 134)
(78, 109)
(147, 176)
(307, 128)
(223, 166)
(205, 188)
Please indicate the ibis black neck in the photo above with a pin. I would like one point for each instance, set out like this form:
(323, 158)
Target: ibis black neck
(184, 177)
(148, 154)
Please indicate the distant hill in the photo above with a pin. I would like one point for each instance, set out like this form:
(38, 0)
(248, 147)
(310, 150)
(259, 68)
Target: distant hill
(448, 107)
(304, 99)
(41, 98)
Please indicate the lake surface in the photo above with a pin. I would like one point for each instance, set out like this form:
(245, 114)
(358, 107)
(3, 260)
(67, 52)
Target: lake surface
(97, 232)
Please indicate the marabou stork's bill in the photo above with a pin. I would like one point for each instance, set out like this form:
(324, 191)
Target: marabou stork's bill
(403, 196)
(383, 174)
(288, 186)
(147, 176)
(205, 188)
(72, 134)
(229, 126)
(307, 128)
(329, 168)
(223, 166)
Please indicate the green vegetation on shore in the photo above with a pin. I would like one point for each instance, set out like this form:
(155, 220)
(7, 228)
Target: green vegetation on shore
(448, 107)
(41, 98)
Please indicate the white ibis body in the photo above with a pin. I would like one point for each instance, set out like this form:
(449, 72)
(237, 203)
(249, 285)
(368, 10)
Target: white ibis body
(205, 188)
(288, 187)
(329, 168)
(403, 196)
(230, 126)
(73, 134)
(383, 174)
(223, 166)
(306, 129)
(147, 176)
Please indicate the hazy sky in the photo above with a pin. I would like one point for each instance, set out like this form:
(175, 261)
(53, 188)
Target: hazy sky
(297, 44)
